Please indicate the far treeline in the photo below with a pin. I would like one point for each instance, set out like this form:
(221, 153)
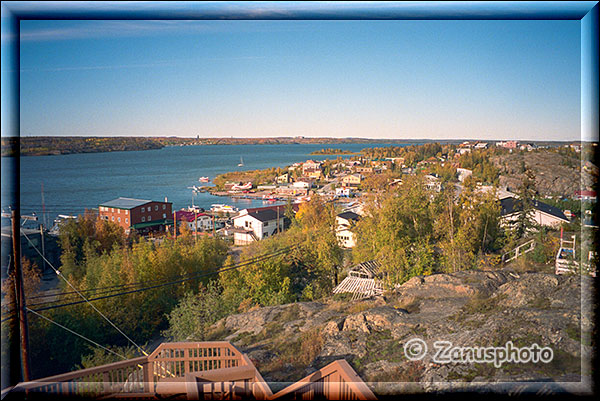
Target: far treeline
(56, 145)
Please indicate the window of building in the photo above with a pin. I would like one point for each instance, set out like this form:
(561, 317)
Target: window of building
(266, 223)
(164, 207)
(126, 220)
(164, 215)
(113, 218)
(119, 219)
(143, 209)
(143, 218)
(149, 218)
(155, 207)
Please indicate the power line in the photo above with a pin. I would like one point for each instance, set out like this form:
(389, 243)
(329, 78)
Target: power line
(164, 284)
(77, 334)
(119, 287)
(82, 296)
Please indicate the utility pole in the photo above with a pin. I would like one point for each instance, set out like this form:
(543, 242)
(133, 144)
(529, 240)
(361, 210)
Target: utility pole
(20, 296)
(43, 248)
(195, 227)
(174, 225)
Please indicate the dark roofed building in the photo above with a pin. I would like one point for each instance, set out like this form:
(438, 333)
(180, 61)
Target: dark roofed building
(258, 223)
(543, 214)
(344, 224)
(349, 216)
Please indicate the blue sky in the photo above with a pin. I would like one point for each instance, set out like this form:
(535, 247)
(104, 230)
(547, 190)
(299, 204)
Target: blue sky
(377, 79)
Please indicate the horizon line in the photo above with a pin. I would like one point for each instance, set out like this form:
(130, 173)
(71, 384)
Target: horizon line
(296, 137)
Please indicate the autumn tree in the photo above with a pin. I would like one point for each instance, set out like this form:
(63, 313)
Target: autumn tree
(195, 313)
(396, 230)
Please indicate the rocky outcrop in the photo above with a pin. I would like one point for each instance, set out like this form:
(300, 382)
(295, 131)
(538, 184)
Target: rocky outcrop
(554, 173)
(466, 309)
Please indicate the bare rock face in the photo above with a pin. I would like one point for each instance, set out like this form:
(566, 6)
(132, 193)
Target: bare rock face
(532, 288)
(466, 309)
(253, 321)
(554, 173)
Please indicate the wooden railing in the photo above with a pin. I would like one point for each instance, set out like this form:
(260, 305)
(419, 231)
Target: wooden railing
(197, 370)
(124, 376)
(141, 375)
(336, 381)
(519, 251)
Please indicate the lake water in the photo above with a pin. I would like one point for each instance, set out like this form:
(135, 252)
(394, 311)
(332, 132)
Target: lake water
(75, 182)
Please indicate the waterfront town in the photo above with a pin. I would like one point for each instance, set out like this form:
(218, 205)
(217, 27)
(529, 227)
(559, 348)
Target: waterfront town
(220, 200)
(345, 182)
(506, 207)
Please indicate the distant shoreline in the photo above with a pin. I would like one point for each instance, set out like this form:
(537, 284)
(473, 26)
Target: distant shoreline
(57, 145)
(335, 152)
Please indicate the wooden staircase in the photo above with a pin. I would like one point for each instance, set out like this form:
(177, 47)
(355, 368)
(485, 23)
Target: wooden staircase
(194, 370)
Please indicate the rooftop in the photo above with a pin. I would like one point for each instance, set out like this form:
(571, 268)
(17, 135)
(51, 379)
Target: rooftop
(349, 216)
(512, 205)
(125, 203)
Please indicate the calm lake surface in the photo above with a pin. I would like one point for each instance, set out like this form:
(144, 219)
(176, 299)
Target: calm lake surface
(75, 182)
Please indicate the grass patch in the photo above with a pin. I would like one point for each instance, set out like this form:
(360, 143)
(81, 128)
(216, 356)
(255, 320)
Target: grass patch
(482, 304)
(411, 372)
(293, 356)
(483, 370)
(410, 304)
(380, 346)
(574, 332)
(343, 297)
(359, 307)
(218, 333)
(539, 303)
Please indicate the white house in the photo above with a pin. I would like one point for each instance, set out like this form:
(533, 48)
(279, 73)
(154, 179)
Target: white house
(542, 214)
(343, 191)
(463, 173)
(433, 182)
(344, 223)
(194, 221)
(302, 184)
(256, 224)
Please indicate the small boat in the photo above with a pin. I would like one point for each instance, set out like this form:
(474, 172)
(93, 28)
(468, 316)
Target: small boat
(203, 179)
(223, 208)
(241, 163)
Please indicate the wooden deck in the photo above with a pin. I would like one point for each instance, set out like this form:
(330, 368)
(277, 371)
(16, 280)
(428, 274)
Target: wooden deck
(359, 287)
(364, 280)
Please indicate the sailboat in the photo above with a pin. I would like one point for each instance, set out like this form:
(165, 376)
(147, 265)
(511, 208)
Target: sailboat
(241, 163)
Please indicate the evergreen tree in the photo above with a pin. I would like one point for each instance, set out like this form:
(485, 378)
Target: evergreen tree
(526, 193)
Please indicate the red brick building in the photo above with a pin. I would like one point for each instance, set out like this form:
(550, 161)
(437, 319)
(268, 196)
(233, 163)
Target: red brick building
(139, 214)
